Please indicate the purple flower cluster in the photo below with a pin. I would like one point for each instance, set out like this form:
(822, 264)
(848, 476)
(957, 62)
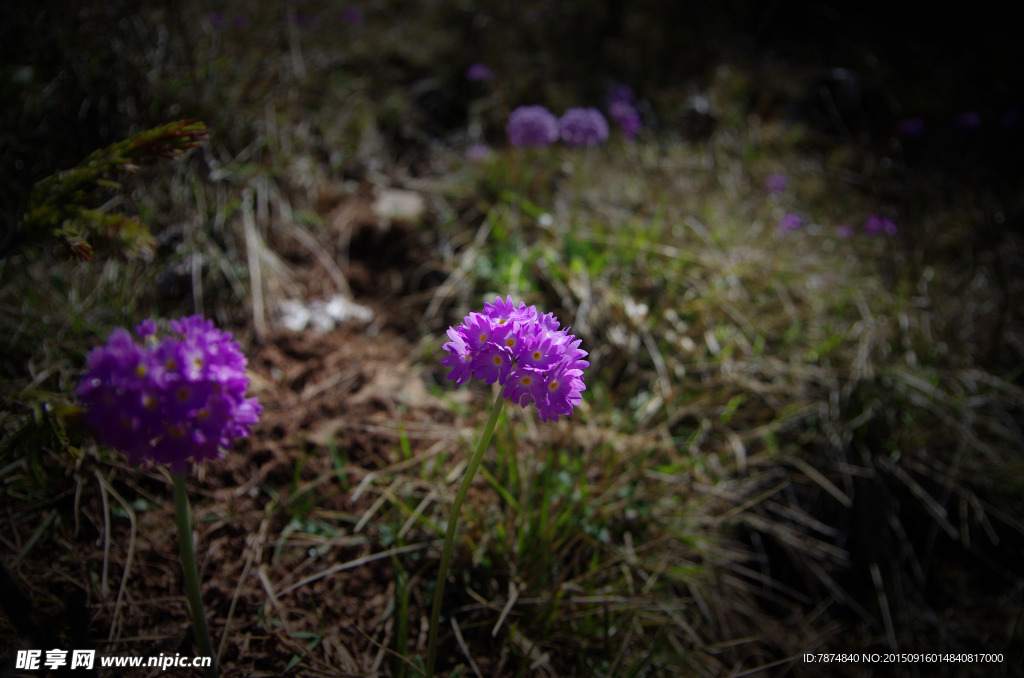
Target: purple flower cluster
(532, 126)
(580, 127)
(169, 400)
(522, 350)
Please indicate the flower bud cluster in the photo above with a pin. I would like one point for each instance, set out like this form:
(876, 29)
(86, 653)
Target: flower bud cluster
(522, 350)
(172, 399)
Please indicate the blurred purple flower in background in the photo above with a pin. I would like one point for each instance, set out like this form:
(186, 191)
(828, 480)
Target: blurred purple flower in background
(967, 122)
(627, 118)
(621, 94)
(532, 126)
(218, 20)
(790, 222)
(479, 73)
(911, 128)
(352, 15)
(167, 401)
(622, 111)
(580, 127)
(775, 183)
(522, 350)
(876, 225)
(303, 19)
(844, 231)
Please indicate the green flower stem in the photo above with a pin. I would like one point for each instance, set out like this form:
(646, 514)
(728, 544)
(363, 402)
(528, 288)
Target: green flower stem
(183, 516)
(449, 537)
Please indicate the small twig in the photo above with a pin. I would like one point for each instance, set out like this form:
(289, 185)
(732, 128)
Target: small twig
(357, 563)
(513, 596)
(465, 648)
(253, 545)
(826, 484)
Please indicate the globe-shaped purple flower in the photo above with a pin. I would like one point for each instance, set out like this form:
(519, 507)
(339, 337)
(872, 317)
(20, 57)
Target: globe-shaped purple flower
(524, 351)
(532, 126)
(168, 400)
(583, 127)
